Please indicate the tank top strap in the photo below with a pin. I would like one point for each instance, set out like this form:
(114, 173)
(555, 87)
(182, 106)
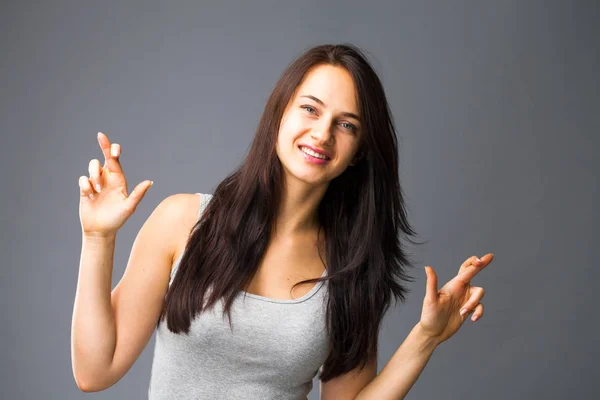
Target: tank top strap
(204, 200)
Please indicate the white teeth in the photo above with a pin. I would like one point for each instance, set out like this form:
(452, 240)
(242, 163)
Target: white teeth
(312, 153)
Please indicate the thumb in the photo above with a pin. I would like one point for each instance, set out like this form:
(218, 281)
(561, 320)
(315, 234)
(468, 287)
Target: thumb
(138, 193)
(431, 292)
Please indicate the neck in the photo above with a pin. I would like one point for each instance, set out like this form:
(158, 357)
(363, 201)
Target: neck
(297, 214)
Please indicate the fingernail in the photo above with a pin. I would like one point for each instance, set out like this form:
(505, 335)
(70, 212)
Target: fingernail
(91, 196)
(463, 311)
(475, 318)
(113, 151)
(98, 188)
(478, 259)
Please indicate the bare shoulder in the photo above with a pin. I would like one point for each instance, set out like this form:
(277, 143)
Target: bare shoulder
(181, 210)
(182, 207)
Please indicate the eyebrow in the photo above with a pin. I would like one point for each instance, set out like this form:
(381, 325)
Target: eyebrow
(345, 113)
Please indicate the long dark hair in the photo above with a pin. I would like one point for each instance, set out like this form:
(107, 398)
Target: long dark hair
(362, 211)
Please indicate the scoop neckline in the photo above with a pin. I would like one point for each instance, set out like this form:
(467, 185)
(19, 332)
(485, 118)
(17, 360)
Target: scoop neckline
(307, 296)
(245, 294)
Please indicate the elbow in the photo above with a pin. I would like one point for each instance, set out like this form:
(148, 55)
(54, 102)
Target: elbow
(89, 376)
(89, 384)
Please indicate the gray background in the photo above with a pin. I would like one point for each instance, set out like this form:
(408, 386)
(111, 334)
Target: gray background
(496, 104)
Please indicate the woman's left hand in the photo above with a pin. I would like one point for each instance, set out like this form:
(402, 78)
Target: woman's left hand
(441, 315)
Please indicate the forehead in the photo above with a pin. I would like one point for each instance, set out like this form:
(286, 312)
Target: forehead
(331, 84)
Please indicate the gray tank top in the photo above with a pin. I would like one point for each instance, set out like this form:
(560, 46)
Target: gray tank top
(274, 352)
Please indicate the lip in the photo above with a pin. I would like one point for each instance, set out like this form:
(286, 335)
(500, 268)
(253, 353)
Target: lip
(314, 160)
(316, 150)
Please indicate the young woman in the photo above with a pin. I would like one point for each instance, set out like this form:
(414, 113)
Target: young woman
(299, 247)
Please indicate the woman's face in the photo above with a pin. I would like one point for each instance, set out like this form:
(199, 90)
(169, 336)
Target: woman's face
(322, 115)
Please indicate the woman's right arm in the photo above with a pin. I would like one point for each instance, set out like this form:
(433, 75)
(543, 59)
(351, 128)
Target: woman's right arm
(110, 330)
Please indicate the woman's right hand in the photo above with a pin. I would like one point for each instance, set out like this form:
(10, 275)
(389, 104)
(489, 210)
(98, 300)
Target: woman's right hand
(104, 205)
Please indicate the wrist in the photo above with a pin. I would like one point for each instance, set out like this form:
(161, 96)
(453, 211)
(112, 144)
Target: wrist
(99, 237)
(428, 340)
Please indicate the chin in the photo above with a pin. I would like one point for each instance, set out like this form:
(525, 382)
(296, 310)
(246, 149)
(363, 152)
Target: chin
(307, 177)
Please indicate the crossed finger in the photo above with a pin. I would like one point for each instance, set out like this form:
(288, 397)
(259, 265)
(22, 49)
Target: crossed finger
(472, 267)
(111, 154)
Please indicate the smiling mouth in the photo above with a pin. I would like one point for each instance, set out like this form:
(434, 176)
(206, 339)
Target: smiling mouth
(314, 154)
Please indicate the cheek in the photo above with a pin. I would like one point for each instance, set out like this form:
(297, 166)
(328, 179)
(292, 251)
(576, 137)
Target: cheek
(293, 122)
(289, 129)
(348, 147)
(285, 140)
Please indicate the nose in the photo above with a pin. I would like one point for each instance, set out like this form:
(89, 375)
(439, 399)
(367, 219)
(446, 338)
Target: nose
(321, 132)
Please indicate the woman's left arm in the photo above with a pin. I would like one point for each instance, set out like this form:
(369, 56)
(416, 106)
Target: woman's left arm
(443, 313)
